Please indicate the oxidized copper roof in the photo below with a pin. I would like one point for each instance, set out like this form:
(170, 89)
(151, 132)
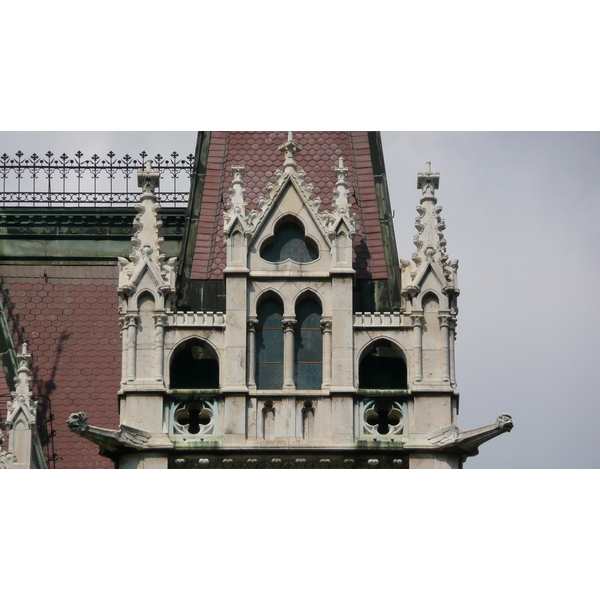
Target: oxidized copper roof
(258, 152)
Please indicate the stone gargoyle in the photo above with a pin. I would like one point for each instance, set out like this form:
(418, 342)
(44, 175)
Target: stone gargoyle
(470, 440)
(109, 439)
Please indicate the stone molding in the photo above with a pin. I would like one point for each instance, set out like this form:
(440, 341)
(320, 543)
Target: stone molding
(287, 461)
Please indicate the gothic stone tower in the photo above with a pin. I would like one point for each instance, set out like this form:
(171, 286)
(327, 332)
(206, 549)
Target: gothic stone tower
(289, 335)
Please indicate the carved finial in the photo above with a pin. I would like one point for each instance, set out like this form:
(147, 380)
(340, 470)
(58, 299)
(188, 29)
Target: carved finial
(341, 187)
(237, 191)
(23, 374)
(148, 180)
(146, 240)
(428, 182)
(290, 149)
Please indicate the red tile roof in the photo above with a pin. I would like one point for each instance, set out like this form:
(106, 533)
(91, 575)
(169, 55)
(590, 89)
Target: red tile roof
(258, 152)
(70, 324)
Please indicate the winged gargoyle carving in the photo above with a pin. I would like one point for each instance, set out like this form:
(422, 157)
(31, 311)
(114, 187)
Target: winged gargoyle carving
(470, 440)
(110, 439)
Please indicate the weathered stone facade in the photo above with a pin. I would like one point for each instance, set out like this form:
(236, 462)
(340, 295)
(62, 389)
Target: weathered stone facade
(289, 374)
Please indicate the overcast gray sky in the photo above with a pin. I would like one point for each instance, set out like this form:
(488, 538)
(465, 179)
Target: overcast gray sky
(522, 213)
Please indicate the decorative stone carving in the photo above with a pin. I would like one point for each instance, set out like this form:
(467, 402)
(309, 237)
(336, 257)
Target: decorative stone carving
(23, 405)
(328, 221)
(430, 243)
(146, 241)
(6, 458)
(326, 325)
(289, 324)
(252, 325)
(504, 422)
(109, 439)
(194, 418)
(470, 440)
(382, 418)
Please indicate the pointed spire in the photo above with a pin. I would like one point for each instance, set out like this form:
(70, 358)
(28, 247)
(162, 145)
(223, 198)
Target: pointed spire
(290, 149)
(146, 240)
(430, 241)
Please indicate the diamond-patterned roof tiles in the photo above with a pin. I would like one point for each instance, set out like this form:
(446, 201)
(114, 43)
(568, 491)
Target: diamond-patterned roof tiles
(258, 152)
(69, 321)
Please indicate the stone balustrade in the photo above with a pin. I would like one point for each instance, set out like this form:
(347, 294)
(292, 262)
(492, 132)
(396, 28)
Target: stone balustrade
(378, 319)
(196, 319)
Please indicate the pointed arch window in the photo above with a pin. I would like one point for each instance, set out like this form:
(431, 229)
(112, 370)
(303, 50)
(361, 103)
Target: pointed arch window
(194, 367)
(289, 242)
(308, 363)
(383, 368)
(269, 345)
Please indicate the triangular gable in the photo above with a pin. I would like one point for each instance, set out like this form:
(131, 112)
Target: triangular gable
(280, 195)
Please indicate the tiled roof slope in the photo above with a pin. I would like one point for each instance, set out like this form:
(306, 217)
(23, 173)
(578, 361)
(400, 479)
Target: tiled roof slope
(69, 320)
(258, 152)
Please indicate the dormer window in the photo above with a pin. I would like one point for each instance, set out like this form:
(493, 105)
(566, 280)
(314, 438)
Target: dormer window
(289, 242)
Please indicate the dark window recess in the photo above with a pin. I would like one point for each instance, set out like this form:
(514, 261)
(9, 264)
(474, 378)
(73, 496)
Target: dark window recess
(269, 346)
(194, 368)
(289, 242)
(308, 364)
(203, 295)
(382, 369)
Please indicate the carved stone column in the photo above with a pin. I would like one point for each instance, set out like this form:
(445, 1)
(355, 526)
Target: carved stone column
(132, 321)
(160, 320)
(417, 323)
(289, 326)
(452, 337)
(326, 329)
(124, 345)
(252, 324)
(445, 322)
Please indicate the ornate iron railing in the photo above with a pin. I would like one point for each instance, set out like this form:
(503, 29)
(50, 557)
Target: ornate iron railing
(64, 181)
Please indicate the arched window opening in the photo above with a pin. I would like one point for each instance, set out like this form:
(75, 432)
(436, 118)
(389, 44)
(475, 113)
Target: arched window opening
(290, 242)
(194, 367)
(308, 364)
(269, 345)
(383, 368)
